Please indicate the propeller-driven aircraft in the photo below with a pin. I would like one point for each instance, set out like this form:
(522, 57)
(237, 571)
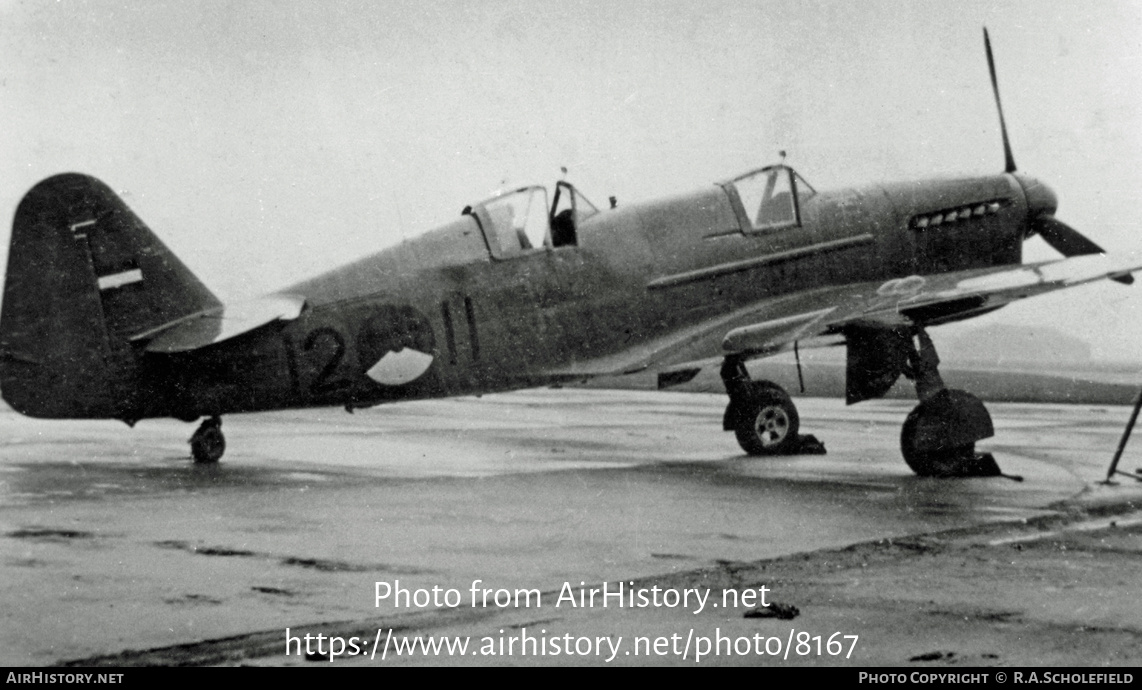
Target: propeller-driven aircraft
(101, 320)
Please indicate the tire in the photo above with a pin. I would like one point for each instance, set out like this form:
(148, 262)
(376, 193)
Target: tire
(953, 462)
(924, 464)
(208, 443)
(768, 422)
(956, 419)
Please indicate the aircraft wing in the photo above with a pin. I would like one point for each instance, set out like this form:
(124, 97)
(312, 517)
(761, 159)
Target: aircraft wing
(222, 323)
(926, 300)
(822, 316)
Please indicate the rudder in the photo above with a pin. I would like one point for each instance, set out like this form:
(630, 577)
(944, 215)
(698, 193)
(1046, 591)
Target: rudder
(85, 277)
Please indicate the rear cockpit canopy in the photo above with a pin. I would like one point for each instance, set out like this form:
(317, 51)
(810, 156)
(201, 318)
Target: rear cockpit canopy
(770, 198)
(519, 222)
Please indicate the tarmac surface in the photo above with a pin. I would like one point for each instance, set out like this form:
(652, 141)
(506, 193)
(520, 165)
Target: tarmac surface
(116, 549)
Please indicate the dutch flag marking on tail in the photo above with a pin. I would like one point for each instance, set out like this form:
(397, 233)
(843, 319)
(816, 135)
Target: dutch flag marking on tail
(118, 280)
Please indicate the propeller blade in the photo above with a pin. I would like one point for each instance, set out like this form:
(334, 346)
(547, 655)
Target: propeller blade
(1070, 242)
(1065, 239)
(999, 106)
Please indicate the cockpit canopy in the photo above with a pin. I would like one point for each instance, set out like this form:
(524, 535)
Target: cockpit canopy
(519, 222)
(769, 198)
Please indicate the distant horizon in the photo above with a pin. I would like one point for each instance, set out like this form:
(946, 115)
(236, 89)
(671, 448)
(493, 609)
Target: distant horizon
(953, 346)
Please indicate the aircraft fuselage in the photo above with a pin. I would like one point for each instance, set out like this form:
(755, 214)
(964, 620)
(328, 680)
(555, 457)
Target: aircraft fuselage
(634, 274)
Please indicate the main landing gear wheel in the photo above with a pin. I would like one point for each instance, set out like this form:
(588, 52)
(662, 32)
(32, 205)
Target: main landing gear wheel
(208, 444)
(939, 435)
(768, 422)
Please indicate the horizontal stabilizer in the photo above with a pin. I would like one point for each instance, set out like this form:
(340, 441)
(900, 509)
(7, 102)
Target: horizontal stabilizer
(223, 323)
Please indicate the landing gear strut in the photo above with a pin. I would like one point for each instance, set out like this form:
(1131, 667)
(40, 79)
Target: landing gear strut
(761, 415)
(208, 444)
(939, 435)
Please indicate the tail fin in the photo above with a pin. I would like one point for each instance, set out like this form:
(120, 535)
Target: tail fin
(85, 276)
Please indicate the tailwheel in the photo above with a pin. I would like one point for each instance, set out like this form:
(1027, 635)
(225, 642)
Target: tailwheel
(939, 435)
(766, 421)
(208, 444)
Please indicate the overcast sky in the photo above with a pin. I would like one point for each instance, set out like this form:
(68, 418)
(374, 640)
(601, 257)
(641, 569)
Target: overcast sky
(267, 141)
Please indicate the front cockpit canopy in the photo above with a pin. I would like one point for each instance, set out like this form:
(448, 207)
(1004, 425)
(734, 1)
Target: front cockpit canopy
(770, 198)
(520, 221)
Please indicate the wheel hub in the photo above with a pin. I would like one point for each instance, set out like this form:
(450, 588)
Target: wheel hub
(771, 425)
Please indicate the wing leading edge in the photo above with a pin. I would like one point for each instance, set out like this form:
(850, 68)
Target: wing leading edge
(926, 300)
(824, 316)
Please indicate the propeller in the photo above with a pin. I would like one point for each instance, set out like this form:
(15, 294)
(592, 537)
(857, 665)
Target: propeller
(1041, 201)
(999, 106)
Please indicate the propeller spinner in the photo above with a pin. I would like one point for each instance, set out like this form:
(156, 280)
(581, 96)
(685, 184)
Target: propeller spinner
(1041, 199)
